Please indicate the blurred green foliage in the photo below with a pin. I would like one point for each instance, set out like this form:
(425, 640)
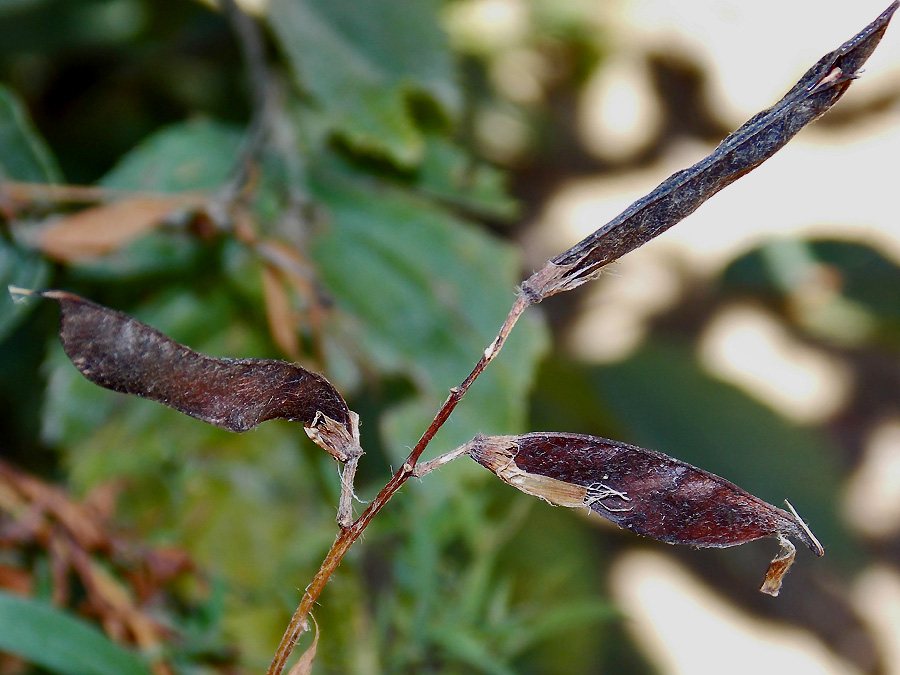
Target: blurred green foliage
(59, 642)
(368, 174)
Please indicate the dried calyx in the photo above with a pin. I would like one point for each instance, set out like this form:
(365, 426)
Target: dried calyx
(644, 491)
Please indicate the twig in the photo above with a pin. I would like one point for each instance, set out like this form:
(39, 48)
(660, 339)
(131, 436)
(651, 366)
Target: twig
(669, 203)
(267, 123)
(252, 47)
(424, 468)
(349, 535)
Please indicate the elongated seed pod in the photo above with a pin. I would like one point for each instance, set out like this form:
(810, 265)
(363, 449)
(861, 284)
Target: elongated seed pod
(118, 352)
(644, 491)
(742, 151)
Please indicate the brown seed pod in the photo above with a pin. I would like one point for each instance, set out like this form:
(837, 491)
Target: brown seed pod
(742, 151)
(118, 352)
(644, 491)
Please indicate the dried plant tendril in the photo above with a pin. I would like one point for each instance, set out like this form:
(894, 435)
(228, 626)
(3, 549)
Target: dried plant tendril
(118, 352)
(644, 491)
(742, 151)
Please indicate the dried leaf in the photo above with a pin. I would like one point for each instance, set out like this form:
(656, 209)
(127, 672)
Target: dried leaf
(279, 313)
(305, 663)
(45, 500)
(119, 581)
(120, 353)
(113, 603)
(779, 566)
(16, 580)
(158, 568)
(641, 490)
(742, 151)
(99, 230)
(60, 550)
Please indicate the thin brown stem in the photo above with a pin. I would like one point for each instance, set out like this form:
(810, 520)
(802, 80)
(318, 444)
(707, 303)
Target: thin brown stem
(345, 506)
(349, 535)
(252, 47)
(425, 468)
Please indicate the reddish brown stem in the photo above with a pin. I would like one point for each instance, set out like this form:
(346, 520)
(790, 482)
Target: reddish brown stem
(350, 534)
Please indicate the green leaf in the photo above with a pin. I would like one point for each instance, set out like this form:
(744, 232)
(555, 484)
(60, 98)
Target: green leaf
(165, 255)
(194, 155)
(558, 622)
(473, 651)
(11, 6)
(450, 174)
(867, 276)
(23, 154)
(862, 303)
(430, 292)
(186, 156)
(363, 60)
(22, 269)
(53, 639)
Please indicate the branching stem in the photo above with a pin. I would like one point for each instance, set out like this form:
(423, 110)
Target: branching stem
(349, 535)
(674, 199)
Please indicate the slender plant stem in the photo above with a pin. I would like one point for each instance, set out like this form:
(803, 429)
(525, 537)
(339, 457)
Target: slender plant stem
(350, 534)
(253, 51)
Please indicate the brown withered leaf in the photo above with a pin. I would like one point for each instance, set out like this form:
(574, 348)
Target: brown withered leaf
(305, 662)
(647, 492)
(279, 313)
(742, 151)
(99, 230)
(15, 580)
(159, 567)
(45, 504)
(120, 353)
(120, 582)
(110, 599)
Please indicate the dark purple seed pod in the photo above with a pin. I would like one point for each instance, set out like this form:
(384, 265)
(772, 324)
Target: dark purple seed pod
(644, 491)
(742, 151)
(118, 352)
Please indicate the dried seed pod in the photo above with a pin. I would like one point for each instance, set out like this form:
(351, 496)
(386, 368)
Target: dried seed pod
(644, 491)
(742, 151)
(120, 353)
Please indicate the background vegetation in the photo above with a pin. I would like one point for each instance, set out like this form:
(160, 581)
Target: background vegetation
(349, 196)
